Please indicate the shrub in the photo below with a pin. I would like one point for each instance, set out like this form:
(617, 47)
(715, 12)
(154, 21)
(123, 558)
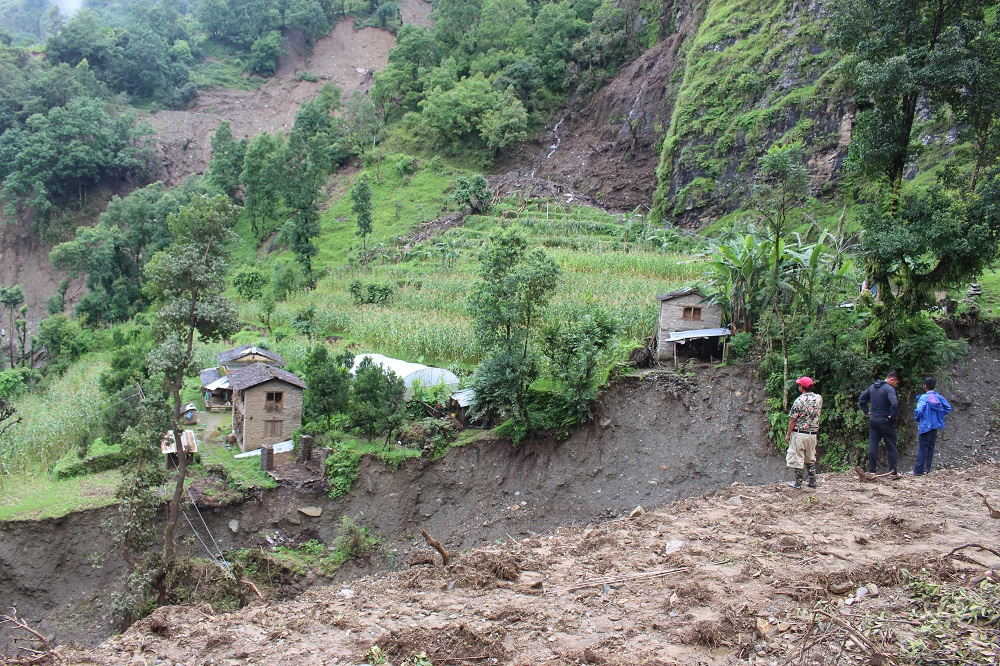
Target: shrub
(373, 292)
(341, 471)
(740, 345)
(100, 458)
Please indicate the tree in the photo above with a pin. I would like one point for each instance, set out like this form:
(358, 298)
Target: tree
(113, 253)
(329, 383)
(261, 179)
(227, 160)
(514, 284)
(473, 193)
(11, 298)
(187, 279)
(264, 54)
(375, 403)
(250, 282)
(978, 102)
(361, 207)
(574, 342)
(898, 53)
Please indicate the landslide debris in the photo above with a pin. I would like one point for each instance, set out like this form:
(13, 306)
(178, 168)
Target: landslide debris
(750, 573)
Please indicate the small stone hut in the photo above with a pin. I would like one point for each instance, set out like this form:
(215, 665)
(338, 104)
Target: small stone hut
(267, 405)
(688, 318)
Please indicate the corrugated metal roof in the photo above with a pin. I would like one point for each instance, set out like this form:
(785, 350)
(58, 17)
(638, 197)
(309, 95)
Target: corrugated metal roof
(677, 336)
(465, 397)
(258, 373)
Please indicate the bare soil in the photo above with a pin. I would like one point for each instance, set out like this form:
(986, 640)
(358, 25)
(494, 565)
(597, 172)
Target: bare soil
(715, 579)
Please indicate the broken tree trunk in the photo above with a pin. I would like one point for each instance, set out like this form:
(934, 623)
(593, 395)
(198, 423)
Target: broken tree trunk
(437, 545)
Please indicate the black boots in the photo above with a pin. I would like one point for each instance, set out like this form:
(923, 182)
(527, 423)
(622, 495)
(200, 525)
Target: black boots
(811, 470)
(797, 483)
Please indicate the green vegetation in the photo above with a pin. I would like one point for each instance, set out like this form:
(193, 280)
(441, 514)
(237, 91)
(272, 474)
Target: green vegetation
(39, 496)
(752, 77)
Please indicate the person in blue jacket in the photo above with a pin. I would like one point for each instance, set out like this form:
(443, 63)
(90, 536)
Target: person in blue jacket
(929, 415)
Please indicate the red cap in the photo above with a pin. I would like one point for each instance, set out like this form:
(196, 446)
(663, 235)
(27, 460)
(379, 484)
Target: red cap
(804, 382)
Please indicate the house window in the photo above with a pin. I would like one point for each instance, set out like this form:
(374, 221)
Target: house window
(691, 313)
(273, 428)
(273, 401)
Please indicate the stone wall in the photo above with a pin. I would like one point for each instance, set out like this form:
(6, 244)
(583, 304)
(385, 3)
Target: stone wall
(256, 431)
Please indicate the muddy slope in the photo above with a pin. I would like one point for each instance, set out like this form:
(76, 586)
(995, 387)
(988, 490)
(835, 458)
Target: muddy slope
(717, 580)
(59, 573)
(608, 147)
(655, 439)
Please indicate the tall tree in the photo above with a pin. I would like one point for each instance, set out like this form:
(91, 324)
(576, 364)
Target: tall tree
(514, 285)
(11, 298)
(261, 180)
(898, 53)
(361, 206)
(187, 280)
(329, 382)
(227, 159)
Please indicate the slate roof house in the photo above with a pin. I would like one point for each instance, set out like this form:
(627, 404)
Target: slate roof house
(688, 318)
(267, 405)
(215, 383)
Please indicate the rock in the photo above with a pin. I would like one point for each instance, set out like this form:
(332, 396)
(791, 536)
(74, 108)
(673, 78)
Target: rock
(605, 423)
(234, 526)
(764, 627)
(862, 592)
(784, 626)
(311, 511)
(873, 590)
(346, 593)
(672, 546)
(841, 588)
(636, 512)
(736, 500)
(292, 520)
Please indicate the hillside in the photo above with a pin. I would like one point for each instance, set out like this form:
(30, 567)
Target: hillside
(875, 572)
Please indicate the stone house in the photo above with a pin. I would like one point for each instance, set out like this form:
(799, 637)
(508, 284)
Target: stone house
(215, 386)
(688, 318)
(267, 405)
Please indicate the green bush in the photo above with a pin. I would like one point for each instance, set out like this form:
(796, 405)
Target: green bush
(342, 471)
(100, 457)
(740, 345)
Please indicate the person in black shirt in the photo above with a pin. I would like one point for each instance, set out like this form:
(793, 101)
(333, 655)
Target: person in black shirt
(880, 404)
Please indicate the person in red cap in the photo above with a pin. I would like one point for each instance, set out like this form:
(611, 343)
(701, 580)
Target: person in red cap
(803, 427)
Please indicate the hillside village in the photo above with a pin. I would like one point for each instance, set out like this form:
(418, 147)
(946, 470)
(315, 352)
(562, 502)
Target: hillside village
(485, 331)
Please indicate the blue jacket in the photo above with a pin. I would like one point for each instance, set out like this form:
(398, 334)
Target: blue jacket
(930, 410)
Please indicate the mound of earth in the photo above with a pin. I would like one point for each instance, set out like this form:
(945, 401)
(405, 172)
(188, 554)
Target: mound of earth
(346, 57)
(717, 579)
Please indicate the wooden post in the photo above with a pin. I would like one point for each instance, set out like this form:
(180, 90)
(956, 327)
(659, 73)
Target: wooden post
(675, 354)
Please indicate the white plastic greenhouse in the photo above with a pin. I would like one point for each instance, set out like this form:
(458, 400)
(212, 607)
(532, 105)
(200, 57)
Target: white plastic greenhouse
(410, 372)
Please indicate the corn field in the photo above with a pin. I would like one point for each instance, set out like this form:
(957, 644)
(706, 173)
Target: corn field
(51, 421)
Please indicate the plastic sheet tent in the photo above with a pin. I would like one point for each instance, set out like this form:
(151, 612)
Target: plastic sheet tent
(410, 372)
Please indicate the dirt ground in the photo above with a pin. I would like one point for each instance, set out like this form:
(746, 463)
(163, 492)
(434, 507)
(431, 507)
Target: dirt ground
(717, 579)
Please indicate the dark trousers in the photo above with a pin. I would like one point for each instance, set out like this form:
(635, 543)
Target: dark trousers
(925, 451)
(881, 431)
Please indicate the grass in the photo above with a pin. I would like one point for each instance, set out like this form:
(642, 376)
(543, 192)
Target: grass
(52, 421)
(244, 473)
(35, 497)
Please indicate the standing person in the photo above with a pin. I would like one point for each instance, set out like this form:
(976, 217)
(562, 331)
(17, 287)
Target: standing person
(803, 426)
(929, 415)
(880, 405)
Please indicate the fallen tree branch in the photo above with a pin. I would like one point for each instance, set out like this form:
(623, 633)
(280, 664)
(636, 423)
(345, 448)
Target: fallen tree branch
(971, 545)
(626, 579)
(859, 637)
(46, 652)
(436, 545)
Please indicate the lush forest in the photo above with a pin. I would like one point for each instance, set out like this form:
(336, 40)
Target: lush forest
(303, 241)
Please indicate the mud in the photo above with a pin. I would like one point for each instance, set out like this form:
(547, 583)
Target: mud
(715, 580)
(655, 438)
